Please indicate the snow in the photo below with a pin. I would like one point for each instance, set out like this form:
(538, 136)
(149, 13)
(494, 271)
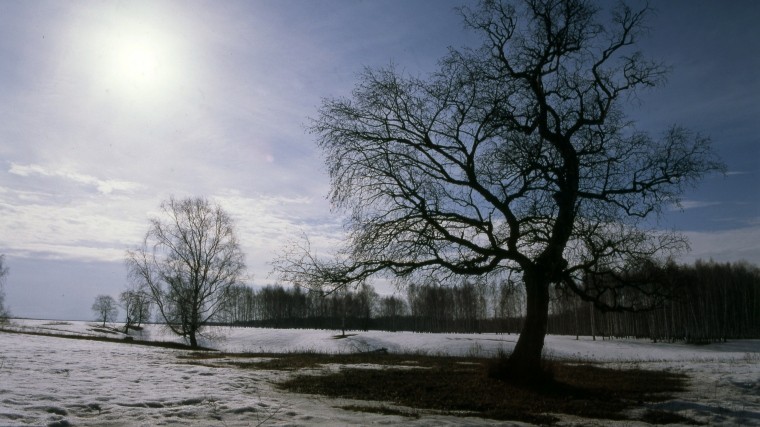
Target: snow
(45, 380)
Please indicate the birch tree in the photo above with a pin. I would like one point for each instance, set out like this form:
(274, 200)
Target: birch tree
(188, 261)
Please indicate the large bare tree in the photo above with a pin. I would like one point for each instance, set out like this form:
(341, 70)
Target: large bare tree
(187, 263)
(516, 156)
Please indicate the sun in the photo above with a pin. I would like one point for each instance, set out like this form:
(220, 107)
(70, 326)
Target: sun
(139, 64)
(132, 57)
(134, 60)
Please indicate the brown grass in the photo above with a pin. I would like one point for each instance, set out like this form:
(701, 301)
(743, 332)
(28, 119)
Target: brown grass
(461, 386)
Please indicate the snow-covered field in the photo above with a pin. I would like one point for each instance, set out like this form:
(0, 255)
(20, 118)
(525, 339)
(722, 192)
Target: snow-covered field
(46, 380)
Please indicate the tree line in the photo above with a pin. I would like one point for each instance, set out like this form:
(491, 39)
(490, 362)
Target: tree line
(704, 302)
(699, 303)
(279, 307)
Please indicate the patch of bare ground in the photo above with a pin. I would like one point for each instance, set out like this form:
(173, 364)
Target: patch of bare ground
(451, 387)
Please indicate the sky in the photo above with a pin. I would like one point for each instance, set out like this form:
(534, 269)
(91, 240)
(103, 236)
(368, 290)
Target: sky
(109, 108)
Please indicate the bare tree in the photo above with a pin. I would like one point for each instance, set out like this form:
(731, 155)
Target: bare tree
(105, 309)
(366, 300)
(391, 308)
(188, 261)
(136, 305)
(4, 313)
(516, 156)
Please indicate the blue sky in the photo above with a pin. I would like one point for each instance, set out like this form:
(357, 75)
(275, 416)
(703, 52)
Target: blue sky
(111, 107)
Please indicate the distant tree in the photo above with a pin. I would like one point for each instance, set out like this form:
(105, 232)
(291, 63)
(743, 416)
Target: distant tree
(189, 260)
(392, 306)
(105, 309)
(237, 305)
(343, 307)
(391, 309)
(136, 305)
(4, 313)
(517, 156)
(366, 300)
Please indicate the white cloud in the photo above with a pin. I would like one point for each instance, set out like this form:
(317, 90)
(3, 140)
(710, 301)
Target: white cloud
(102, 227)
(73, 252)
(99, 228)
(267, 224)
(692, 204)
(104, 186)
(725, 245)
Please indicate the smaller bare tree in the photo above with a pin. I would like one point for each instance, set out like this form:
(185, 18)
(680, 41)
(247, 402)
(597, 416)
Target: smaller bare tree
(105, 309)
(4, 313)
(189, 260)
(137, 307)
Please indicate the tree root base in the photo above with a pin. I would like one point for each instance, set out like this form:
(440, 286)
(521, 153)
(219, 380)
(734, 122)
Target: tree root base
(503, 368)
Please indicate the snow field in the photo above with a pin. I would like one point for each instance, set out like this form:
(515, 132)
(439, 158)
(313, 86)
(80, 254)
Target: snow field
(48, 380)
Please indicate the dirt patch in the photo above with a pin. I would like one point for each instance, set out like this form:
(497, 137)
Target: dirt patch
(464, 389)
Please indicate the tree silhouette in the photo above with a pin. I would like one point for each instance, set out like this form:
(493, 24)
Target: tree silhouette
(137, 306)
(105, 309)
(513, 157)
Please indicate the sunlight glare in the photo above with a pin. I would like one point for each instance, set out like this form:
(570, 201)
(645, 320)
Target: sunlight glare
(137, 62)
(140, 65)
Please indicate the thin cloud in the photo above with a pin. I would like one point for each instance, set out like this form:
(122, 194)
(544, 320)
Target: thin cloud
(725, 245)
(80, 230)
(104, 186)
(692, 204)
(267, 223)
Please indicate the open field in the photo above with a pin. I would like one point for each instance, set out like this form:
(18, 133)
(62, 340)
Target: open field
(45, 380)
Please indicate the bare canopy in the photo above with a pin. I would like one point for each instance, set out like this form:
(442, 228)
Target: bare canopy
(516, 156)
(189, 260)
(105, 309)
(137, 307)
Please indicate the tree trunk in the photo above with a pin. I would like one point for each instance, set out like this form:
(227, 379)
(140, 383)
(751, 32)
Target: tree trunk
(577, 323)
(343, 324)
(193, 341)
(525, 360)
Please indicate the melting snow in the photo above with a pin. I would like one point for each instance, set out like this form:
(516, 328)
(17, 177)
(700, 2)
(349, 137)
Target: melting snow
(53, 381)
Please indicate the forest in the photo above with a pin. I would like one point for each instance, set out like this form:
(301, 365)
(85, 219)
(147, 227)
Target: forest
(700, 303)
